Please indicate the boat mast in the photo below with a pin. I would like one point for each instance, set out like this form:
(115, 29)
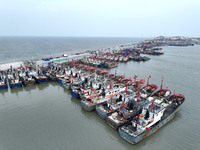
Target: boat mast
(173, 97)
(148, 80)
(135, 77)
(161, 85)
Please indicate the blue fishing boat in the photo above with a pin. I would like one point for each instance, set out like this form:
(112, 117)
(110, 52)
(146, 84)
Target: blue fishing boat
(14, 80)
(41, 79)
(60, 80)
(75, 93)
(3, 83)
(101, 65)
(16, 83)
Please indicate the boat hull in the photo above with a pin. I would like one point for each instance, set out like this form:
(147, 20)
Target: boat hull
(44, 80)
(116, 125)
(134, 140)
(88, 106)
(103, 113)
(3, 86)
(41, 80)
(67, 86)
(28, 83)
(14, 85)
(75, 94)
(59, 80)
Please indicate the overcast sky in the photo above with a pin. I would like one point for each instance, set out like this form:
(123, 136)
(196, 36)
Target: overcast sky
(107, 18)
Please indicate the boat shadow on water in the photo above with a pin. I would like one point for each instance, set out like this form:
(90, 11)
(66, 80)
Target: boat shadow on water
(3, 91)
(42, 86)
(16, 90)
(53, 83)
(29, 88)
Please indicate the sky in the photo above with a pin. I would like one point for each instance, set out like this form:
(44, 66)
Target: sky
(100, 18)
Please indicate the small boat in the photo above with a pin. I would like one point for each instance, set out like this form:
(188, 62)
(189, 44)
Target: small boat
(152, 118)
(144, 58)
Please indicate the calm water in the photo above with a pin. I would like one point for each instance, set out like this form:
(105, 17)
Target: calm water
(46, 117)
(20, 48)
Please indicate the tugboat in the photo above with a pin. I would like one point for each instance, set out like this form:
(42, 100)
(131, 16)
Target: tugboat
(153, 117)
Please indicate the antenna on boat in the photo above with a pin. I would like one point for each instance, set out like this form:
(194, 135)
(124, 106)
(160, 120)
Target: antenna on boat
(126, 89)
(161, 85)
(135, 77)
(138, 91)
(152, 105)
(173, 96)
(111, 85)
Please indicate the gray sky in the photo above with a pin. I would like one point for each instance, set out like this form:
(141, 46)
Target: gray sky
(107, 18)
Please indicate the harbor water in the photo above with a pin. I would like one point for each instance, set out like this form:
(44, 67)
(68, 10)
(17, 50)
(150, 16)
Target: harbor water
(47, 117)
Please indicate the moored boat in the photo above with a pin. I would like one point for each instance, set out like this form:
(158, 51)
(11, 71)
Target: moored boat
(153, 117)
(3, 83)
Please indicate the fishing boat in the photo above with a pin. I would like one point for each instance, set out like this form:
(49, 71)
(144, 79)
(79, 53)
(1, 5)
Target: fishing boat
(125, 113)
(67, 83)
(14, 80)
(112, 104)
(147, 90)
(3, 82)
(26, 78)
(153, 117)
(91, 102)
(40, 77)
(75, 93)
(144, 58)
